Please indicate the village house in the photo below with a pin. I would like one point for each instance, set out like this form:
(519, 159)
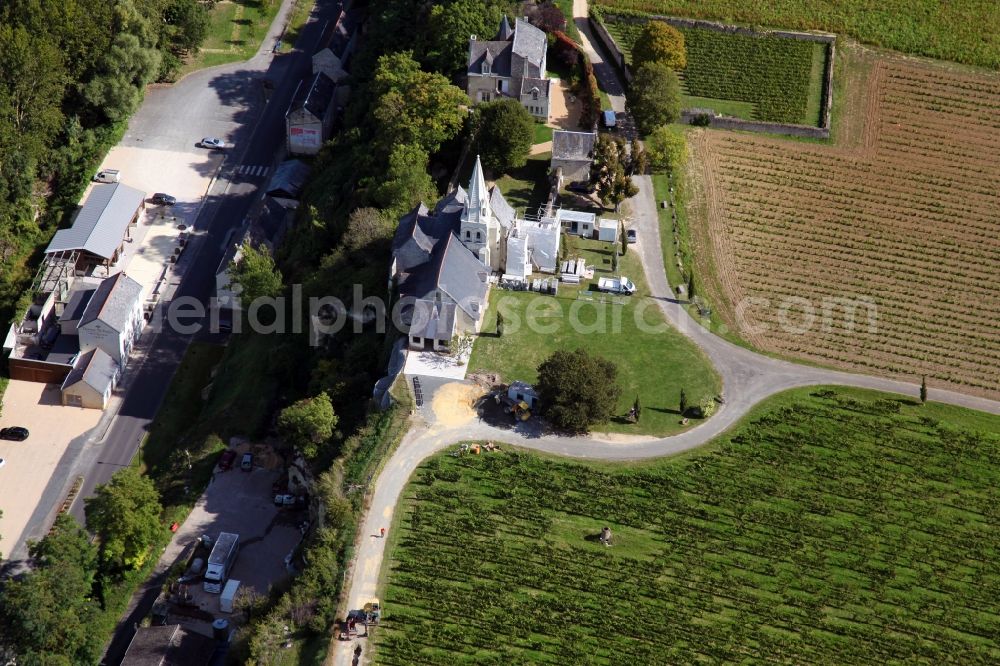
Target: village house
(572, 155)
(512, 64)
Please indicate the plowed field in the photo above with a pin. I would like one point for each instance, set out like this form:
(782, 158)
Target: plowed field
(904, 221)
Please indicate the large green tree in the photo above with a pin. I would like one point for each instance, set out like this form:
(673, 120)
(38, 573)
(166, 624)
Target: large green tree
(654, 96)
(667, 148)
(577, 389)
(47, 616)
(255, 273)
(504, 133)
(125, 515)
(449, 27)
(308, 424)
(405, 182)
(660, 42)
(608, 171)
(412, 106)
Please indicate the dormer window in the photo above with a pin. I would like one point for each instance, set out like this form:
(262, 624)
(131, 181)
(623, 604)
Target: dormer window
(534, 94)
(486, 67)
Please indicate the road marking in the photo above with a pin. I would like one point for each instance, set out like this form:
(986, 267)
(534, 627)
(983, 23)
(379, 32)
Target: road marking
(253, 170)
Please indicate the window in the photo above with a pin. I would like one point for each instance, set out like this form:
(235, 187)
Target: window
(468, 234)
(486, 67)
(534, 94)
(479, 236)
(499, 86)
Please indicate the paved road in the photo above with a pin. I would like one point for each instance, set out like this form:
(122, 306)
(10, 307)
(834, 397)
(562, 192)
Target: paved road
(748, 378)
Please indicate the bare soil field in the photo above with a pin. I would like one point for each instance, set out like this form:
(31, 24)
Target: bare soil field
(901, 217)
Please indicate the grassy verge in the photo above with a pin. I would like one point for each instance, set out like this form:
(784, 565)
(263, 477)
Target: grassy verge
(235, 32)
(653, 365)
(297, 20)
(543, 133)
(830, 526)
(814, 102)
(726, 107)
(567, 9)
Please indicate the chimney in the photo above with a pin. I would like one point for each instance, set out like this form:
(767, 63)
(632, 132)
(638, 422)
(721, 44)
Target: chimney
(472, 38)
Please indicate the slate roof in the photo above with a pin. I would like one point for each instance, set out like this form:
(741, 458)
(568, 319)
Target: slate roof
(505, 32)
(497, 54)
(501, 209)
(100, 225)
(112, 302)
(573, 145)
(95, 369)
(529, 43)
(288, 179)
(171, 645)
(433, 320)
(453, 269)
(77, 304)
(314, 98)
(542, 84)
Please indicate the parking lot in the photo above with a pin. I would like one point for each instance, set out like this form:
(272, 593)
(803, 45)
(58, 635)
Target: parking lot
(243, 502)
(30, 464)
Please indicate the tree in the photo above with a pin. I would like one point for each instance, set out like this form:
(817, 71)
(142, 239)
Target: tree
(254, 271)
(406, 182)
(545, 15)
(504, 134)
(449, 26)
(308, 423)
(667, 148)
(690, 288)
(125, 515)
(614, 260)
(636, 408)
(607, 171)
(660, 42)
(706, 408)
(412, 106)
(577, 389)
(923, 390)
(683, 403)
(624, 239)
(654, 96)
(499, 324)
(638, 160)
(365, 227)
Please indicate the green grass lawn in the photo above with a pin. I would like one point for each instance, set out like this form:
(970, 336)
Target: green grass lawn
(528, 186)
(831, 526)
(543, 133)
(653, 365)
(726, 107)
(235, 31)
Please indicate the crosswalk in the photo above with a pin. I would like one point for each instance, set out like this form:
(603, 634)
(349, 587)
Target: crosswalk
(253, 169)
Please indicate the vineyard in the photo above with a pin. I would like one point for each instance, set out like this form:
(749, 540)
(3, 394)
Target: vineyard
(835, 526)
(775, 74)
(905, 224)
(963, 31)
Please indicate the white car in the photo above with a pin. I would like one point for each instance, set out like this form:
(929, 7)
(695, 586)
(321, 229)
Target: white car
(2, 462)
(212, 142)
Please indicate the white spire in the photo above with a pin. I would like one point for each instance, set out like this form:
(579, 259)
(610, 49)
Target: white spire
(478, 202)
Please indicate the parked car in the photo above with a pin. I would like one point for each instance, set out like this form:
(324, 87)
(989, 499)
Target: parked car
(608, 116)
(212, 142)
(227, 458)
(582, 188)
(631, 236)
(108, 176)
(14, 434)
(284, 500)
(616, 285)
(247, 463)
(2, 462)
(161, 199)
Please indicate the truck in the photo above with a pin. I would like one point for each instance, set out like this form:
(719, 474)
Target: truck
(221, 560)
(228, 595)
(618, 285)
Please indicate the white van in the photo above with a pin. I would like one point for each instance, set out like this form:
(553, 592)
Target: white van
(108, 176)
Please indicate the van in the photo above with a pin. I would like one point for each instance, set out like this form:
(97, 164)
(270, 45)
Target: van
(247, 463)
(609, 119)
(108, 176)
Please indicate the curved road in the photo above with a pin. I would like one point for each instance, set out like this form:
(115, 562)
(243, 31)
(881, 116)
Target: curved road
(748, 378)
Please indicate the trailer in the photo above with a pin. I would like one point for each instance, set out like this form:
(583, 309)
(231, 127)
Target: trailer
(228, 595)
(618, 285)
(221, 560)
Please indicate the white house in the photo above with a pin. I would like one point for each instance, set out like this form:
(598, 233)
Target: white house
(91, 381)
(112, 320)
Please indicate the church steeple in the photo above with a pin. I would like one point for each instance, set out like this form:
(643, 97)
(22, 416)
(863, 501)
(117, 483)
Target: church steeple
(477, 206)
(479, 230)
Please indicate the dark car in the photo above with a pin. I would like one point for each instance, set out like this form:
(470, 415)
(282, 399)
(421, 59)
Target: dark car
(16, 434)
(582, 188)
(161, 199)
(227, 458)
(631, 236)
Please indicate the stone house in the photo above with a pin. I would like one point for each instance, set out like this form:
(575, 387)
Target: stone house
(572, 155)
(512, 64)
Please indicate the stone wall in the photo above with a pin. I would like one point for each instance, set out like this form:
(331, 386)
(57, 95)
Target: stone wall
(725, 122)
